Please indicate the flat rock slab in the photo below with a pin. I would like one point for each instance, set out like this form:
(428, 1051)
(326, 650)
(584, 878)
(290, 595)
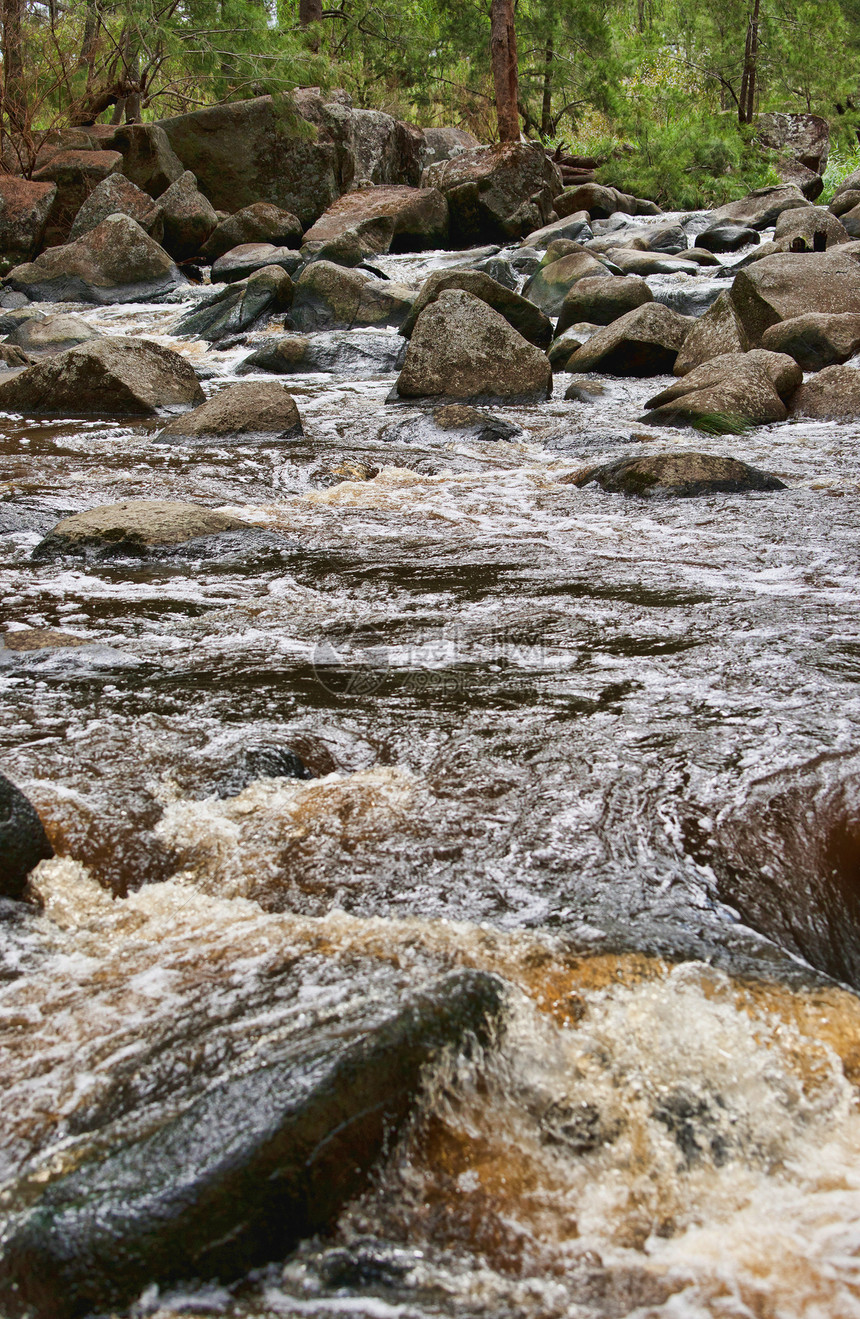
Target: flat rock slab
(419, 216)
(263, 409)
(266, 1155)
(679, 475)
(762, 208)
(133, 528)
(127, 377)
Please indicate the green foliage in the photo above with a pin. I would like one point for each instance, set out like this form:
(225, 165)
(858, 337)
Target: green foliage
(841, 162)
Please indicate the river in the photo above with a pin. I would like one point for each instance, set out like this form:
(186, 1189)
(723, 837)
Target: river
(604, 747)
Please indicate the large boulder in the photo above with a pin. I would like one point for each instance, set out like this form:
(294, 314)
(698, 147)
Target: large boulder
(831, 395)
(778, 288)
(519, 312)
(550, 285)
(240, 262)
(845, 200)
(463, 349)
(233, 310)
(850, 221)
(342, 352)
(23, 843)
(444, 144)
(260, 223)
(384, 149)
(117, 195)
(252, 409)
(728, 394)
(642, 342)
(762, 208)
(245, 1164)
(115, 262)
(601, 301)
(354, 246)
(128, 377)
(419, 215)
(808, 223)
(24, 211)
(257, 150)
(148, 159)
(718, 332)
(76, 174)
(44, 336)
(496, 194)
(330, 297)
(801, 137)
(187, 218)
(677, 475)
(815, 340)
(133, 527)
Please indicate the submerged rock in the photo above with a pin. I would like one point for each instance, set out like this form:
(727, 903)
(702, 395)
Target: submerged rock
(236, 308)
(463, 349)
(341, 352)
(682, 475)
(263, 408)
(23, 842)
(129, 377)
(519, 312)
(267, 1155)
(133, 528)
(115, 262)
(642, 342)
(452, 421)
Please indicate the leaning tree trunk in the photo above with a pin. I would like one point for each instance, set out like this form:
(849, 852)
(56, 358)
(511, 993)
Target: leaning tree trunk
(746, 105)
(503, 49)
(310, 11)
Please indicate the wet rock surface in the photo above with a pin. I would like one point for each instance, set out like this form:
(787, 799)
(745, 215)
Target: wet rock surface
(240, 306)
(102, 375)
(115, 262)
(642, 342)
(134, 528)
(23, 843)
(463, 349)
(246, 410)
(330, 297)
(680, 475)
(519, 312)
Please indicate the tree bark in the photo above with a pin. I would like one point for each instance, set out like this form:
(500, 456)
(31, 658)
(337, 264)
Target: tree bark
(503, 50)
(310, 11)
(746, 106)
(14, 89)
(546, 105)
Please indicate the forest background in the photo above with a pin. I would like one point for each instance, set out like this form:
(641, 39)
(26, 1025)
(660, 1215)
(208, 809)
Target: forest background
(663, 93)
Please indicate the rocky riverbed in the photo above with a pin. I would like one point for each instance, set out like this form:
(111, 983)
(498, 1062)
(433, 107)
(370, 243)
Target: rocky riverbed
(428, 777)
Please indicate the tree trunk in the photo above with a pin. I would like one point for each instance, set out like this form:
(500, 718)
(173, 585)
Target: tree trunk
(546, 105)
(746, 106)
(503, 49)
(310, 11)
(14, 89)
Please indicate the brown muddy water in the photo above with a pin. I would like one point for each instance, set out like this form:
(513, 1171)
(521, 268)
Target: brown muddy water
(605, 748)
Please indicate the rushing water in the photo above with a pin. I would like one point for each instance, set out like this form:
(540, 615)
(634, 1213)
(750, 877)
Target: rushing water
(606, 748)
